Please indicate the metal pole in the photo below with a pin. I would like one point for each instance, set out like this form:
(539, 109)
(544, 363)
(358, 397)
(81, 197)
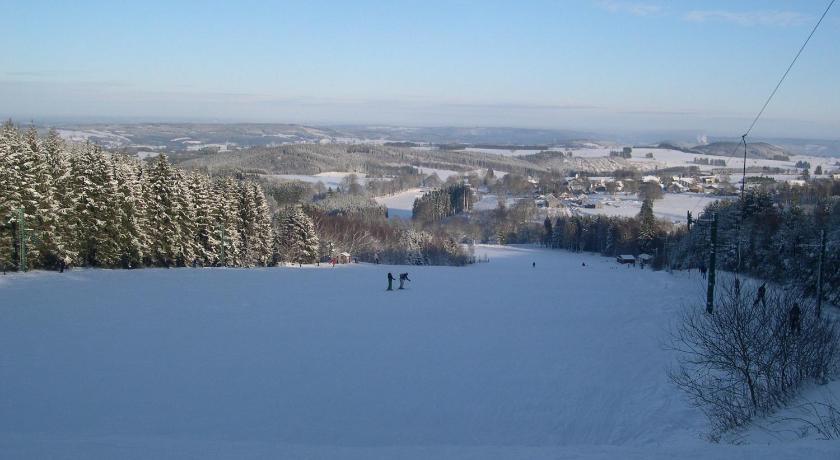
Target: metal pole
(21, 241)
(222, 257)
(820, 273)
(710, 291)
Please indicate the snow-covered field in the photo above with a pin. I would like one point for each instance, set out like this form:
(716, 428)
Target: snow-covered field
(400, 205)
(490, 201)
(443, 174)
(666, 158)
(329, 179)
(672, 206)
(491, 361)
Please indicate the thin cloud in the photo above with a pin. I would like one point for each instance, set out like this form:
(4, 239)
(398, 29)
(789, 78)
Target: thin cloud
(633, 8)
(749, 18)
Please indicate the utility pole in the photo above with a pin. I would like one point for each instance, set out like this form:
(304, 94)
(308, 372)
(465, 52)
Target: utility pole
(820, 273)
(21, 240)
(222, 256)
(710, 291)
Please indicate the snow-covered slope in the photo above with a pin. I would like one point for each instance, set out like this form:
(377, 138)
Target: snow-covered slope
(401, 204)
(491, 361)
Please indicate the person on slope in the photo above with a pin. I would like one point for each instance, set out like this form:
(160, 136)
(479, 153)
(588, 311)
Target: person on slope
(403, 279)
(794, 315)
(760, 295)
(390, 282)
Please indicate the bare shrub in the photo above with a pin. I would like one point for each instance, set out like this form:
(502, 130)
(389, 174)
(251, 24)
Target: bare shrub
(747, 358)
(822, 418)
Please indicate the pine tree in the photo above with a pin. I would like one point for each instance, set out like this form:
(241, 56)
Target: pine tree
(206, 230)
(10, 198)
(548, 231)
(647, 226)
(185, 216)
(162, 213)
(95, 215)
(298, 238)
(263, 235)
(132, 236)
(226, 216)
(55, 224)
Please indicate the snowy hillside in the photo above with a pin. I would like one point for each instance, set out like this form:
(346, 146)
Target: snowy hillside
(400, 204)
(492, 361)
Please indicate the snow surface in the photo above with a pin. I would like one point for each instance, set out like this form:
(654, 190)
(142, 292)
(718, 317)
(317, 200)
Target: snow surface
(493, 361)
(329, 179)
(671, 207)
(443, 174)
(400, 205)
(667, 158)
(489, 201)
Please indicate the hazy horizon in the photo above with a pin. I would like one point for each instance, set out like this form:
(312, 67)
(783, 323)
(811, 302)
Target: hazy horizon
(600, 66)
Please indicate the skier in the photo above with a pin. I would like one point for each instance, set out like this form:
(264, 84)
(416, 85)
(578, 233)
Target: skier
(403, 279)
(376, 259)
(390, 281)
(703, 269)
(794, 314)
(533, 264)
(760, 295)
(583, 264)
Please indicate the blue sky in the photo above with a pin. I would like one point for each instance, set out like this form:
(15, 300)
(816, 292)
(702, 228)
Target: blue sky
(587, 65)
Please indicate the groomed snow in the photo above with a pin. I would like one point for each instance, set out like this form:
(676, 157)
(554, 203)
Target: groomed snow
(671, 207)
(492, 361)
(400, 205)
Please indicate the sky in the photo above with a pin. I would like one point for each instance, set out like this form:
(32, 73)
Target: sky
(597, 66)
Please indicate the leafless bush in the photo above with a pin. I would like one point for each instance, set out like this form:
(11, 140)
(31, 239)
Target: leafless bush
(747, 358)
(820, 417)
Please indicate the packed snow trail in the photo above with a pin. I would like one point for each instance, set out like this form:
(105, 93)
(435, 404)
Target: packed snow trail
(496, 360)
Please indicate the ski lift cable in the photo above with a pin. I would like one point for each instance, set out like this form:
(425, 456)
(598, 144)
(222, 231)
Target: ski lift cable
(758, 116)
(784, 76)
(778, 85)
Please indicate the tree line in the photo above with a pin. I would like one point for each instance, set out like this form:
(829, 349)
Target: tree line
(443, 202)
(77, 205)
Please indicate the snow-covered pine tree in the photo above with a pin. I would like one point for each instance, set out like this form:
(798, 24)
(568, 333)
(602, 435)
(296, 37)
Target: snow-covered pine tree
(206, 231)
(412, 241)
(247, 214)
(9, 193)
(161, 212)
(187, 249)
(132, 236)
(24, 189)
(56, 231)
(647, 226)
(298, 237)
(226, 216)
(263, 234)
(95, 216)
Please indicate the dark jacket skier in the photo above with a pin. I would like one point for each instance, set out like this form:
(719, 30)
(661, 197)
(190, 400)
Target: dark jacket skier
(703, 269)
(759, 297)
(403, 279)
(794, 314)
(390, 281)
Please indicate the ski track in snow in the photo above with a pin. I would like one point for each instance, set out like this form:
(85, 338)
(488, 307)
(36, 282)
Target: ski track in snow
(491, 361)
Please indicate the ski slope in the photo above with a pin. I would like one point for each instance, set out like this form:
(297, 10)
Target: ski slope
(493, 361)
(401, 205)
